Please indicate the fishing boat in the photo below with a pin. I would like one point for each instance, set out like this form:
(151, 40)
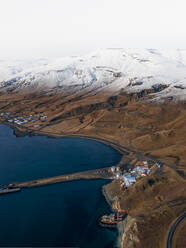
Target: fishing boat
(111, 220)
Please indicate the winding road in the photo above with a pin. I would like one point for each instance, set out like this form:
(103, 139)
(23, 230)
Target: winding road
(173, 229)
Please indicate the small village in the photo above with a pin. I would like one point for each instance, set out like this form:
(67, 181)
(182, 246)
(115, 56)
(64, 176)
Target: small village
(20, 120)
(126, 179)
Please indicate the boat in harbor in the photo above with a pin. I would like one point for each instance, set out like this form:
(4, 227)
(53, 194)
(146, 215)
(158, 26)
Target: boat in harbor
(111, 220)
(9, 190)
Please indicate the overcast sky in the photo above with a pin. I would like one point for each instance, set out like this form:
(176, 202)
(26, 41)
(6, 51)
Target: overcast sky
(50, 28)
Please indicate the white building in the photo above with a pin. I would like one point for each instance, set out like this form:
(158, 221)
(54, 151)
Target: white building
(113, 169)
(118, 175)
(129, 180)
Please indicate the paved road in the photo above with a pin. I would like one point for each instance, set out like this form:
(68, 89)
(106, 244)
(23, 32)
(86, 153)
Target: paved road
(173, 229)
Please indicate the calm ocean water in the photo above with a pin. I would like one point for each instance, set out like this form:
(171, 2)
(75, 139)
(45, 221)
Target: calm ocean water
(61, 215)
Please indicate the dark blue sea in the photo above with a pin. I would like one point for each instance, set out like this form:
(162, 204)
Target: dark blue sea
(60, 215)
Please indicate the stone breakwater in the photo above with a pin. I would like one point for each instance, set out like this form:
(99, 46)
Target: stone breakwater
(90, 174)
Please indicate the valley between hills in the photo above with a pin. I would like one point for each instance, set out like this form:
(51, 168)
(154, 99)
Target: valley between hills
(148, 128)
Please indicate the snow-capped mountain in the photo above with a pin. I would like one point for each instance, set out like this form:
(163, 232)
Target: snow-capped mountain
(131, 70)
(11, 68)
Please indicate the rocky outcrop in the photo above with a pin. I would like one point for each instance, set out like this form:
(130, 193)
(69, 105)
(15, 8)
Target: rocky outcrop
(128, 230)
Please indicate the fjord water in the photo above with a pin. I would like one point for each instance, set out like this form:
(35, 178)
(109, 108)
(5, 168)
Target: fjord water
(60, 215)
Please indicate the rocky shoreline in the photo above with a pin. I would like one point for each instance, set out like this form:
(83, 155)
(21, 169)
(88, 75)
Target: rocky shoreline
(127, 229)
(109, 199)
(120, 226)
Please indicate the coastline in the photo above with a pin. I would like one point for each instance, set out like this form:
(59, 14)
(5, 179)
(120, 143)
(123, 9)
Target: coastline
(129, 158)
(121, 150)
(109, 199)
(120, 226)
(127, 231)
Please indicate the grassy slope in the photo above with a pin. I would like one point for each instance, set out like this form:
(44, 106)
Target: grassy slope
(152, 128)
(154, 202)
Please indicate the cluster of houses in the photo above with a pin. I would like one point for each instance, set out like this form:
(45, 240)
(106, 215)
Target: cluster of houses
(127, 179)
(21, 120)
(5, 115)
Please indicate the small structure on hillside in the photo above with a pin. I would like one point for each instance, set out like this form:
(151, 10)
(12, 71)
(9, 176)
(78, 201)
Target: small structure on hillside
(145, 167)
(44, 117)
(113, 169)
(159, 165)
(128, 180)
(117, 175)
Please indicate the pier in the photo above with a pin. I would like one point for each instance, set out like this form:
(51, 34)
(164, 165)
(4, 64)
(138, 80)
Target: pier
(90, 174)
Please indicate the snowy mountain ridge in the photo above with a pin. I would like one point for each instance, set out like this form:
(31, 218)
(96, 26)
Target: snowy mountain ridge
(131, 70)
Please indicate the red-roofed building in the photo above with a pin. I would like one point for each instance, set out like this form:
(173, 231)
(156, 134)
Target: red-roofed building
(145, 167)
